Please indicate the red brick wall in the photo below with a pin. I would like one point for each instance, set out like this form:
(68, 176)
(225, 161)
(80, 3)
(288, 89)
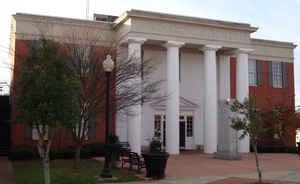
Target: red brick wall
(232, 78)
(266, 96)
(17, 129)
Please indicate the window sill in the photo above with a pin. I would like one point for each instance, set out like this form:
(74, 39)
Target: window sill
(277, 87)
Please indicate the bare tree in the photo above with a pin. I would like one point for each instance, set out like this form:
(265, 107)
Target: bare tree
(86, 56)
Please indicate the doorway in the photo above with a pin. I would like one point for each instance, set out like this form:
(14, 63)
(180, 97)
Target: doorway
(186, 140)
(181, 134)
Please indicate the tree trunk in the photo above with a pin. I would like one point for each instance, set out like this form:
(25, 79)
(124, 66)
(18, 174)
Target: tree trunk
(77, 157)
(44, 154)
(46, 170)
(257, 163)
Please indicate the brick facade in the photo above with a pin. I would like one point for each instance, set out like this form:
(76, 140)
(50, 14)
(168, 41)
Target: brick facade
(18, 129)
(267, 96)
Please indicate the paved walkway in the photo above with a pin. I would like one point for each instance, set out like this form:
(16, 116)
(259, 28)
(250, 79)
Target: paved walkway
(6, 171)
(194, 167)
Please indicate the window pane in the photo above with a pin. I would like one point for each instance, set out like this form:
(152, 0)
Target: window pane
(157, 121)
(252, 72)
(277, 74)
(189, 126)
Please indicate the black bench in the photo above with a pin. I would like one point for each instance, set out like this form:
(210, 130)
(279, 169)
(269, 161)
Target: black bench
(124, 145)
(125, 157)
(132, 158)
(135, 159)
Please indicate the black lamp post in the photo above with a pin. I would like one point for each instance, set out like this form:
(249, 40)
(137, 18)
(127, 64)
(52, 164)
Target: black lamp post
(108, 66)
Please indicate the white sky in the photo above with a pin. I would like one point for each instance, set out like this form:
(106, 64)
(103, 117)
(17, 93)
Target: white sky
(276, 19)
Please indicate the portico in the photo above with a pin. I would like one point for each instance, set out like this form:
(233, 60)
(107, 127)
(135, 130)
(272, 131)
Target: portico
(216, 88)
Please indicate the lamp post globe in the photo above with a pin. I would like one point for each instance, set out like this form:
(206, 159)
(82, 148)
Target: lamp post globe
(108, 66)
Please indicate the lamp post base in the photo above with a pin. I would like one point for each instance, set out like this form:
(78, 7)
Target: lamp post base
(106, 173)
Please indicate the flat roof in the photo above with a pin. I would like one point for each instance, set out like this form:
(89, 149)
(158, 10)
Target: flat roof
(184, 19)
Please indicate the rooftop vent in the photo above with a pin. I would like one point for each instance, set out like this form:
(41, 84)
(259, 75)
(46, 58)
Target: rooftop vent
(104, 18)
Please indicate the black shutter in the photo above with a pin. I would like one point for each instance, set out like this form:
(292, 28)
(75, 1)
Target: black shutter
(284, 74)
(69, 133)
(270, 74)
(28, 131)
(91, 133)
(259, 72)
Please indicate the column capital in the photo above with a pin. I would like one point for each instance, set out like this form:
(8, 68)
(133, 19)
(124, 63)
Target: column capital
(136, 40)
(173, 44)
(243, 51)
(210, 47)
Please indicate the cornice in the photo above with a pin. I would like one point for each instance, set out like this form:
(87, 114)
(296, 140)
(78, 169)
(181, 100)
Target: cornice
(184, 19)
(62, 21)
(272, 43)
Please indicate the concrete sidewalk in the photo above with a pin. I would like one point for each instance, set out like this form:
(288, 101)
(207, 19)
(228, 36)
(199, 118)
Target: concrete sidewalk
(288, 176)
(6, 171)
(196, 168)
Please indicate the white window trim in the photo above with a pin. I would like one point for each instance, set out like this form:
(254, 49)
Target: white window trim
(279, 83)
(253, 63)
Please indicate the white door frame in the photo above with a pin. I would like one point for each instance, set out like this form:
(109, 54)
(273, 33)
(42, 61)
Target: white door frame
(189, 140)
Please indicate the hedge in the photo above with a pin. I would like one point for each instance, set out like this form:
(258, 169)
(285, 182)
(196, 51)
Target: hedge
(275, 149)
(24, 152)
(27, 152)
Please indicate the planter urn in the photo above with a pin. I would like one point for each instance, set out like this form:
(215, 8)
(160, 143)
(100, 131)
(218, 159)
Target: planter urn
(156, 164)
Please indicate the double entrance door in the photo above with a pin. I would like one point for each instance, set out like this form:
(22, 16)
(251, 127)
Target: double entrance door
(185, 129)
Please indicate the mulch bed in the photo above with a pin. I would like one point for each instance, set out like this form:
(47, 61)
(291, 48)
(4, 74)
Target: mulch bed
(234, 180)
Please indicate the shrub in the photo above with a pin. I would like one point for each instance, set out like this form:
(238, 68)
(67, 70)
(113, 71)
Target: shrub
(85, 152)
(155, 145)
(292, 150)
(271, 149)
(96, 149)
(69, 153)
(113, 139)
(275, 149)
(24, 152)
(65, 153)
(114, 153)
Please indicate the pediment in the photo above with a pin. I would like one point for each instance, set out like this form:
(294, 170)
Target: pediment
(184, 104)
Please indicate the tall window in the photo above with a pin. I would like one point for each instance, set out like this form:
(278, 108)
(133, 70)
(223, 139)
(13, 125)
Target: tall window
(252, 73)
(157, 121)
(277, 74)
(189, 126)
(255, 72)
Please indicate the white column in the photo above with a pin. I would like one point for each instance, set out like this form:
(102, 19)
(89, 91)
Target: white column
(223, 74)
(211, 96)
(172, 103)
(135, 119)
(242, 88)
(224, 77)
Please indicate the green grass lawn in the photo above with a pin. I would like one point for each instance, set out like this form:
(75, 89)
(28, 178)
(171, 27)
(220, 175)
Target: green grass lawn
(31, 172)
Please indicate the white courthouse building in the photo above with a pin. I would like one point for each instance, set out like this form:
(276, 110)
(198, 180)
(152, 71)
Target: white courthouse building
(193, 56)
